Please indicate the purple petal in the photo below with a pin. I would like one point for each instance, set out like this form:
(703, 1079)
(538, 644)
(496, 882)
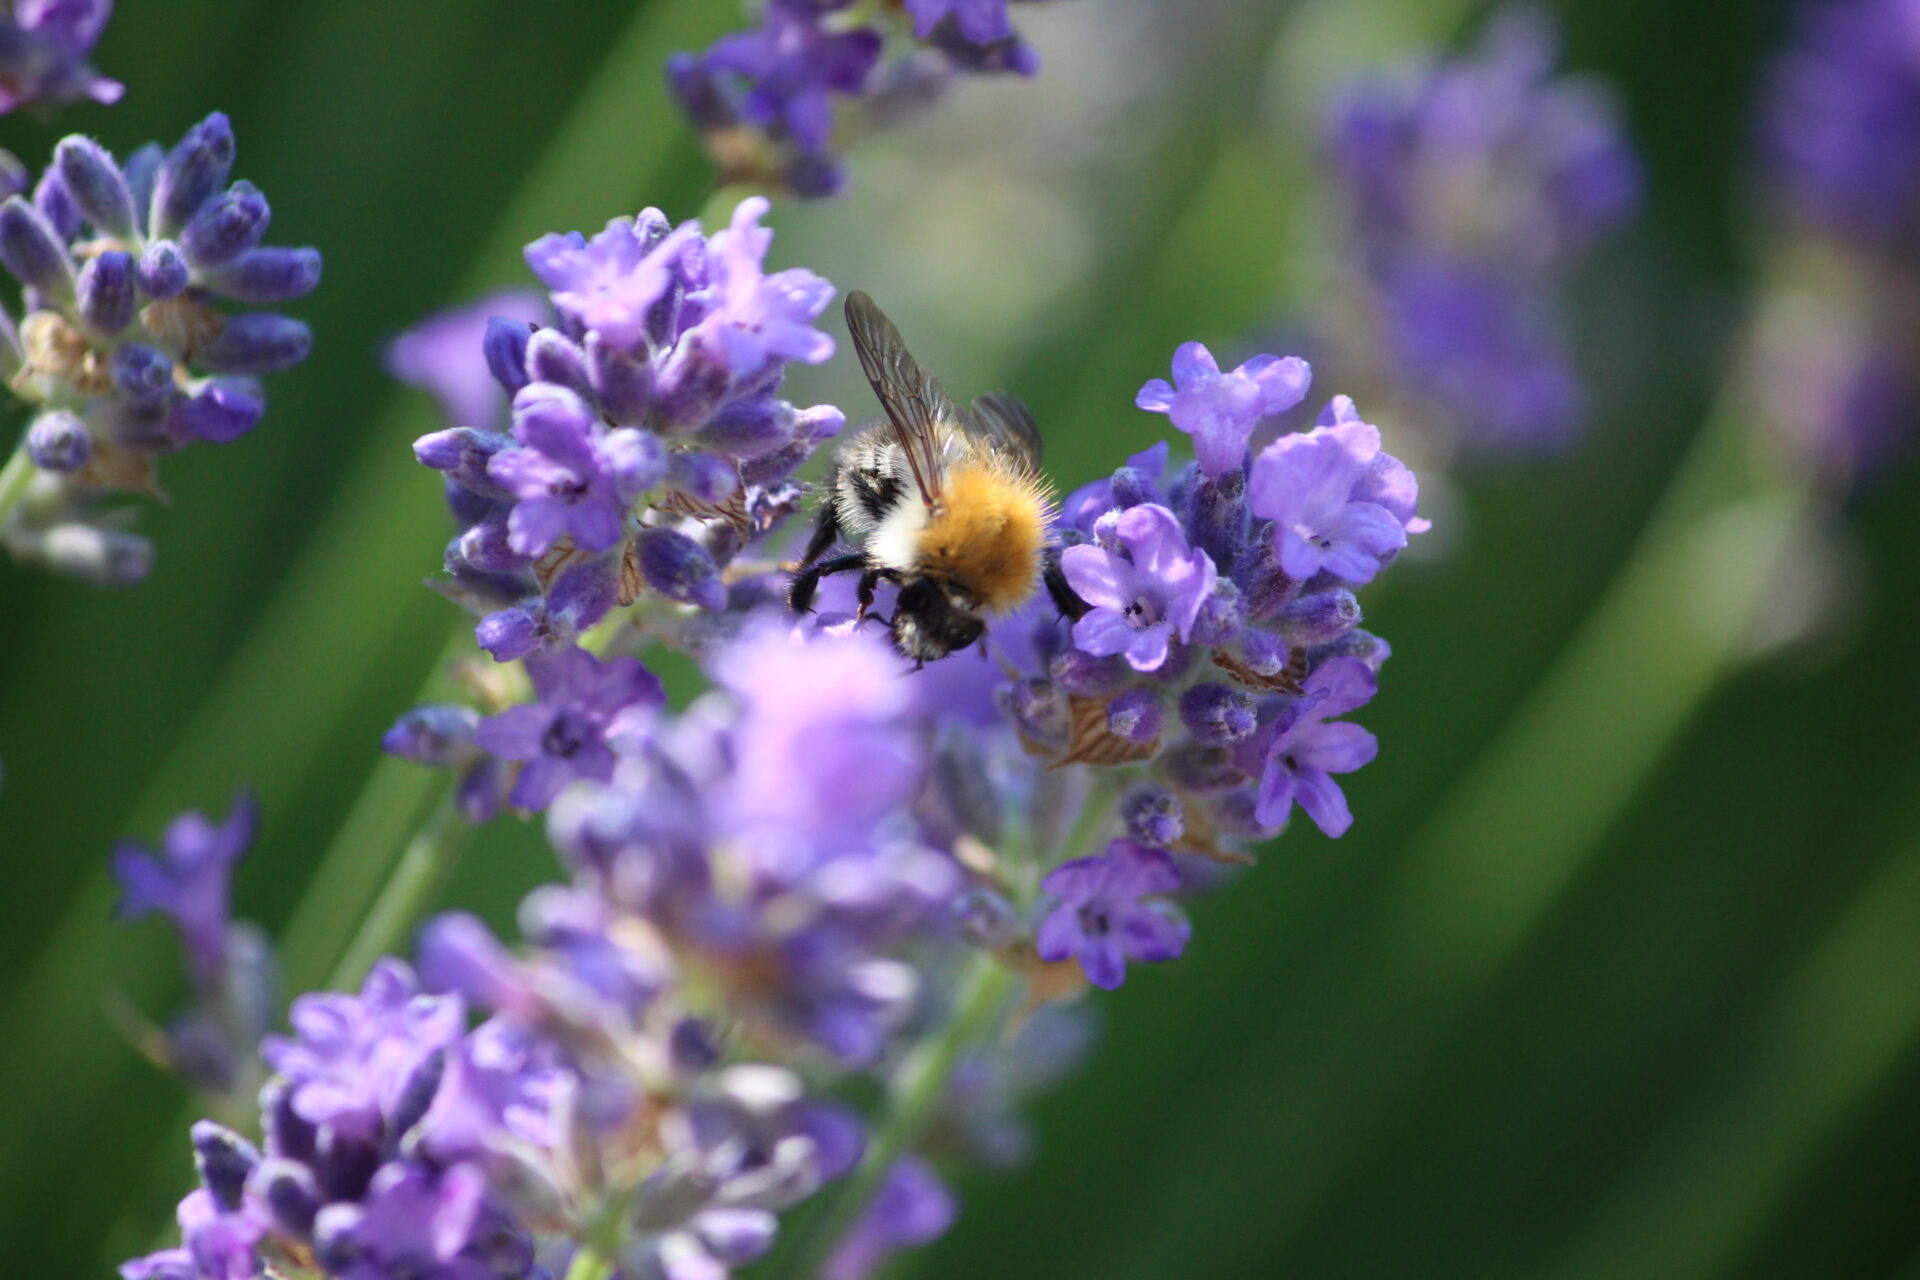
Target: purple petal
(1340, 747)
(515, 733)
(1323, 800)
(1156, 396)
(1192, 362)
(1101, 578)
(1103, 632)
(1339, 685)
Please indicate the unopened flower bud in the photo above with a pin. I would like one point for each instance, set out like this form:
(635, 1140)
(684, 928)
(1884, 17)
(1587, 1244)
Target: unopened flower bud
(1320, 618)
(97, 186)
(58, 441)
(506, 351)
(554, 357)
(226, 227)
(264, 277)
(677, 567)
(1154, 816)
(1217, 714)
(33, 251)
(1135, 715)
(163, 271)
(106, 293)
(258, 342)
(223, 1159)
(191, 173)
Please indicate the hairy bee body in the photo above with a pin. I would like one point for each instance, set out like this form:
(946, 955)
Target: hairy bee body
(946, 503)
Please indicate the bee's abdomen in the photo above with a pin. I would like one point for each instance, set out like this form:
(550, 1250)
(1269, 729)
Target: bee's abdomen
(989, 535)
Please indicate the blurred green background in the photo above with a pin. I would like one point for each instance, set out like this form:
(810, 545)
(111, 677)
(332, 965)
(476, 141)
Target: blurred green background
(1690, 1047)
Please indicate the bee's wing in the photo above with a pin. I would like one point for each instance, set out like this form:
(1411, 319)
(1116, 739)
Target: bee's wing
(1004, 421)
(915, 402)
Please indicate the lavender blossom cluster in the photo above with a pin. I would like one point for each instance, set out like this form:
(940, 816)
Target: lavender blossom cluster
(1840, 113)
(1473, 187)
(772, 103)
(746, 889)
(121, 352)
(826, 861)
(648, 443)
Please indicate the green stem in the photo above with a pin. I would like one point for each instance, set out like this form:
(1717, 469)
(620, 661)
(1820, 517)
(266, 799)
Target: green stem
(15, 479)
(416, 878)
(912, 1101)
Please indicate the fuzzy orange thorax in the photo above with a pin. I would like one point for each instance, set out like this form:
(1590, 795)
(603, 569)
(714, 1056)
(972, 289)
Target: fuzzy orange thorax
(988, 533)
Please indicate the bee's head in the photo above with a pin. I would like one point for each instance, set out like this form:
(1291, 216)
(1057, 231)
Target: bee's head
(930, 622)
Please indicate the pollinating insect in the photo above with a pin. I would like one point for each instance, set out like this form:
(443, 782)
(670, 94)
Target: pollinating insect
(947, 504)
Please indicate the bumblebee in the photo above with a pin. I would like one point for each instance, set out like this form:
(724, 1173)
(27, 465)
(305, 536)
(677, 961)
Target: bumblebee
(946, 503)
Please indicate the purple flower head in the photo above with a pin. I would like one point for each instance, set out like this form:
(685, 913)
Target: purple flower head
(790, 69)
(1143, 599)
(188, 880)
(1327, 501)
(445, 356)
(1846, 89)
(911, 1208)
(1220, 410)
(1306, 751)
(759, 318)
(413, 1221)
(573, 477)
(979, 21)
(354, 1061)
(1473, 185)
(43, 54)
(610, 283)
(562, 737)
(824, 744)
(1102, 922)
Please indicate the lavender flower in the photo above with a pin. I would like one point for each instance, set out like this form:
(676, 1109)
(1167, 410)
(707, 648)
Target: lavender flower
(571, 477)
(1221, 410)
(188, 880)
(912, 1208)
(563, 736)
(1101, 921)
(120, 336)
(43, 54)
(647, 445)
(1829, 377)
(445, 356)
(1319, 491)
(1306, 751)
(765, 100)
(1144, 598)
(1474, 186)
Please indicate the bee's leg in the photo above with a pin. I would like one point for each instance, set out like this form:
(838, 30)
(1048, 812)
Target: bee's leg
(1064, 597)
(806, 582)
(869, 582)
(826, 532)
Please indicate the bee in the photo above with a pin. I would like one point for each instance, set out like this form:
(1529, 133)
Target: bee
(946, 503)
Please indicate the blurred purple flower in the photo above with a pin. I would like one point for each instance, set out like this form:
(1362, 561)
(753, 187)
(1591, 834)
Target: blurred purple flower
(791, 66)
(980, 21)
(353, 1060)
(188, 881)
(911, 1208)
(43, 54)
(444, 356)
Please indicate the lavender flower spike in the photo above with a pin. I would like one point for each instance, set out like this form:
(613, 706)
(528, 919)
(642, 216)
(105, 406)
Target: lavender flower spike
(1101, 920)
(1220, 410)
(187, 881)
(1145, 598)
